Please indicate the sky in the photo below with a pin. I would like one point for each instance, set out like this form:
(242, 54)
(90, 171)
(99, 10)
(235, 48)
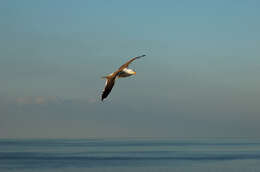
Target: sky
(200, 77)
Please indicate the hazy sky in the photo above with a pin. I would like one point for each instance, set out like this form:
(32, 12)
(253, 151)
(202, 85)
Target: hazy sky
(200, 77)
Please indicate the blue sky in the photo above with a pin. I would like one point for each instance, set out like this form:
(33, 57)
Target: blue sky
(200, 77)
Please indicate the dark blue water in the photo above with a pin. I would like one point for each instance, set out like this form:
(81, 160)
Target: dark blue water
(49, 155)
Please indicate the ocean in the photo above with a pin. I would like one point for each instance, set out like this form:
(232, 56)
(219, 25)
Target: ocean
(130, 155)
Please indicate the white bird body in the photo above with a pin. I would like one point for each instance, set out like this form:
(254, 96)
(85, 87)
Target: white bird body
(126, 73)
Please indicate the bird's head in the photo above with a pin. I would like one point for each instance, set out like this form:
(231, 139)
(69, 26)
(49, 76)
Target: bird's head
(132, 72)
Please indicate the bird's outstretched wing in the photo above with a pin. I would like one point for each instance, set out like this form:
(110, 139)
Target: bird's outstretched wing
(125, 66)
(108, 87)
(130, 61)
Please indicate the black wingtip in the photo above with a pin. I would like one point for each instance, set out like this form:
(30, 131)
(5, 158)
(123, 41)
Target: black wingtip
(140, 56)
(103, 98)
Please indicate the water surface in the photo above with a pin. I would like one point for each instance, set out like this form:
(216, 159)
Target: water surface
(112, 155)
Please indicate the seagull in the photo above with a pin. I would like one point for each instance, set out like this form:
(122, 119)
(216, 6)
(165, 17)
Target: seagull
(121, 72)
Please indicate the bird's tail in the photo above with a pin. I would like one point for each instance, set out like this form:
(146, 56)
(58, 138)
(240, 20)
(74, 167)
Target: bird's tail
(105, 77)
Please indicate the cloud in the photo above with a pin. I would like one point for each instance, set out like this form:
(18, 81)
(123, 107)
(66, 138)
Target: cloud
(92, 100)
(38, 100)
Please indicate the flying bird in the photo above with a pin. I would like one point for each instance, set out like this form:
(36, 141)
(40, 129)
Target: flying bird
(121, 72)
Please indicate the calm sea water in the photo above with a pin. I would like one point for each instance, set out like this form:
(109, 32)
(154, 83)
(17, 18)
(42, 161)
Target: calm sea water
(138, 155)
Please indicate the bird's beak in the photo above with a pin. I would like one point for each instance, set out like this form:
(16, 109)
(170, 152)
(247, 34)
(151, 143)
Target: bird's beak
(134, 73)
